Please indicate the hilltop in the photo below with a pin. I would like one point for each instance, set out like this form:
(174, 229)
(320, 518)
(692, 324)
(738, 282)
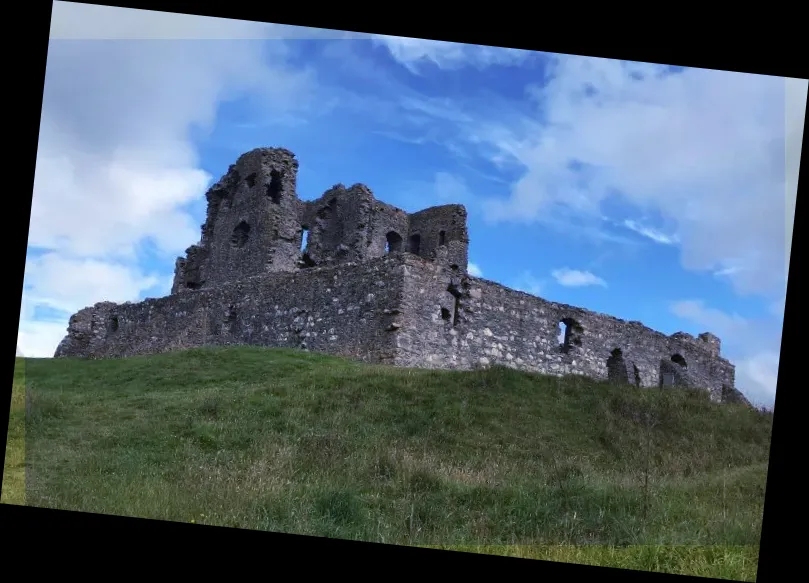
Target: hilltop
(292, 441)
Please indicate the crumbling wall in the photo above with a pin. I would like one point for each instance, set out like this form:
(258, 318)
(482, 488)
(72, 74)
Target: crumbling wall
(256, 223)
(463, 322)
(403, 310)
(251, 224)
(440, 234)
(343, 310)
(373, 283)
(348, 225)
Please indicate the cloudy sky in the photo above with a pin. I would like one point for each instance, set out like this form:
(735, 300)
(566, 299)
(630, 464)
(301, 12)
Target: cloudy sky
(652, 193)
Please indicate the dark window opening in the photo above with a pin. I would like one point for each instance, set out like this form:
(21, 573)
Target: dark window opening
(193, 284)
(114, 324)
(456, 294)
(637, 375)
(414, 244)
(454, 267)
(251, 180)
(393, 242)
(240, 235)
(570, 334)
(442, 238)
(274, 187)
(678, 359)
(307, 261)
(616, 368)
(445, 315)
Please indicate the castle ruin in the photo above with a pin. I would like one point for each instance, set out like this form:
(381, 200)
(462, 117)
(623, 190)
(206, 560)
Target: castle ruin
(352, 276)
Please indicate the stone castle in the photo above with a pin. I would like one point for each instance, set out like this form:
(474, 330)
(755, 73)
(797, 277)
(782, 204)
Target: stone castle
(352, 276)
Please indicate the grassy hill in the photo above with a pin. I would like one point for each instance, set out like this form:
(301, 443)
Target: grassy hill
(496, 461)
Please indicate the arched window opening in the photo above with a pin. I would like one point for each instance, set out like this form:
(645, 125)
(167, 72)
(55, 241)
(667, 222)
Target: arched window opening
(240, 235)
(393, 242)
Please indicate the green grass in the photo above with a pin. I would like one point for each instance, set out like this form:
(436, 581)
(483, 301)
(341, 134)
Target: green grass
(13, 491)
(493, 461)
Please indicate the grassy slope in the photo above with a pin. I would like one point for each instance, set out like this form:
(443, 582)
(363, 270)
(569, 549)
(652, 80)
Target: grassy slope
(13, 491)
(297, 442)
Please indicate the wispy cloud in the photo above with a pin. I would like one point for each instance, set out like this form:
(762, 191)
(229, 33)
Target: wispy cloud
(575, 278)
(707, 151)
(414, 53)
(138, 171)
(650, 233)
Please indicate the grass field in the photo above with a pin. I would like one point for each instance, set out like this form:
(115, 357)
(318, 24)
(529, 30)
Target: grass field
(492, 461)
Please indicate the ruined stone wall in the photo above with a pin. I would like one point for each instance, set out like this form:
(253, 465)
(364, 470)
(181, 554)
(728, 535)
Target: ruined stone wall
(255, 224)
(251, 226)
(344, 310)
(373, 283)
(440, 234)
(348, 225)
(465, 322)
(403, 310)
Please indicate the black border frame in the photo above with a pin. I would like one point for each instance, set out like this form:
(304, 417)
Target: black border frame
(151, 544)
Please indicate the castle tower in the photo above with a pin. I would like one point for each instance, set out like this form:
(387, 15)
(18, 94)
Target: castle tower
(251, 225)
(440, 234)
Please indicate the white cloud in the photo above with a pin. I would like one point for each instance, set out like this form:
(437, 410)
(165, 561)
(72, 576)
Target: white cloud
(40, 339)
(413, 53)
(704, 150)
(650, 233)
(116, 166)
(68, 285)
(757, 377)
(474, 270)
(753, 346)
(63, 286)
(575, 278)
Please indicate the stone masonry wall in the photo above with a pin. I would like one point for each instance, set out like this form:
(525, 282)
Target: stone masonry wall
(441, 235)
(345, 310)
(406, 311)
(348, 225)
(374, 283)
(251, 226)
(463, 322)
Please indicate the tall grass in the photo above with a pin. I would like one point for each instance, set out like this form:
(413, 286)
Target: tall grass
(493, 460)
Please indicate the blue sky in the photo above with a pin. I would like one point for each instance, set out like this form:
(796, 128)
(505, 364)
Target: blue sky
(652, 193)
